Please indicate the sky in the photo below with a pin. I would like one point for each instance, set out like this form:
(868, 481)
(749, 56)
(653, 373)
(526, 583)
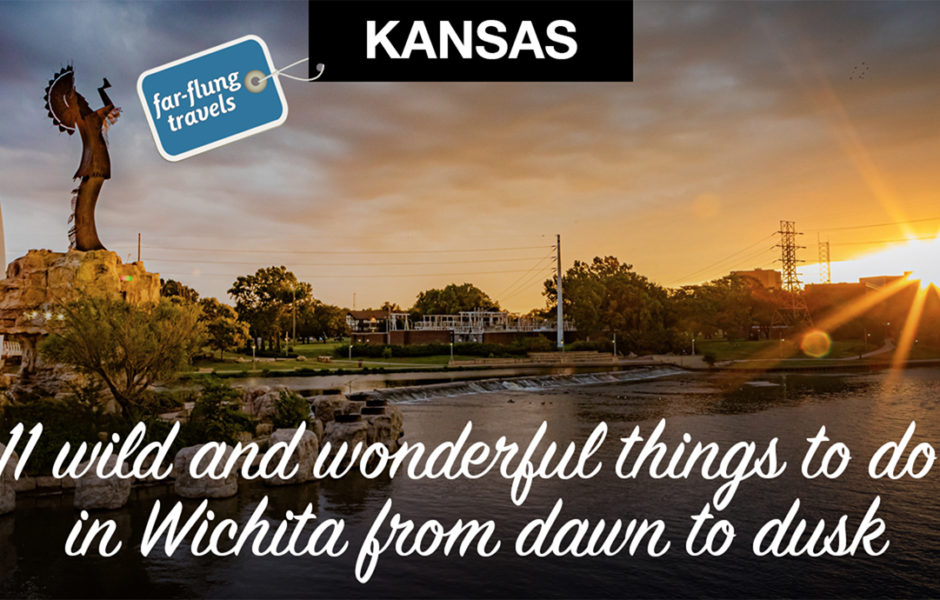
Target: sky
(739, 115)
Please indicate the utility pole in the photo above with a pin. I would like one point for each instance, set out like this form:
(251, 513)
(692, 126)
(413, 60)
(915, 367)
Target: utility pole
(561, 317)
(293, 312)
(138, 246)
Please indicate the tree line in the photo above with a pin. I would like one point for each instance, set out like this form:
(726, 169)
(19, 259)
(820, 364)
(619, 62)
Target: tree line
(604, 298)
(272, 304)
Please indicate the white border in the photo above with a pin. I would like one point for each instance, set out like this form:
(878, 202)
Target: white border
(223, 141)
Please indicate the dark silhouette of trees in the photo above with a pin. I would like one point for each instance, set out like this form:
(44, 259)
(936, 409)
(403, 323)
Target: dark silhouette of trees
(452, 299)
(605, 297)
(176, 291)
(734, 306)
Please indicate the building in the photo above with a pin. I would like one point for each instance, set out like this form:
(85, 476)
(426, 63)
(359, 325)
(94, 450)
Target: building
(484, 326)
(769, 278)
(881, 281)
(392, 328)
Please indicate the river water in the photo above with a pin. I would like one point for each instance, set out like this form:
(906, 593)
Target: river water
(862, 410)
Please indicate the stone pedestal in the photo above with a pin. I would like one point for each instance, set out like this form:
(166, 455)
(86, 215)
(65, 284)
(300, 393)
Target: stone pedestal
(38, 284)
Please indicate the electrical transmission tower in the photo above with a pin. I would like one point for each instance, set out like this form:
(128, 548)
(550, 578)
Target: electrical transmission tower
(825, 272)
(797, 312)
(788, 248)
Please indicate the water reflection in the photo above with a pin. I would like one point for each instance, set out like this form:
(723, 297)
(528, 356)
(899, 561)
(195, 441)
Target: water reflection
(859, 409)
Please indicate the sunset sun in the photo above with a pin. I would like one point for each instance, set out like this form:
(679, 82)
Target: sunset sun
(918, 257)
(926, 262)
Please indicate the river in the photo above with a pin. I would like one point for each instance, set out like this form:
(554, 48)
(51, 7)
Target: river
(862, 410)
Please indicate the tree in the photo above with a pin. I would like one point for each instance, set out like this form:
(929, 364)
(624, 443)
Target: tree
(452, 299)
(729, 306)
(127, 347)
(174, 290)
(263, 300)
(223, 328)
(316, 319)
(605, 297)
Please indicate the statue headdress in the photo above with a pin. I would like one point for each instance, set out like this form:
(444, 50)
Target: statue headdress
(63, 103)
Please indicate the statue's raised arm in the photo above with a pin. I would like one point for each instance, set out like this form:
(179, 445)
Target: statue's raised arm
(70, 111)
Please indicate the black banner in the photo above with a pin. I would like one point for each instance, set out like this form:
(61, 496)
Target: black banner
(472, 40)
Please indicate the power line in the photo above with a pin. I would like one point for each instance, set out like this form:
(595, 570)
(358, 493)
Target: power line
(761, 258)
(545, 272)
(368, 276)
(727, 258)
(316, 252)
(365, 264)
(538, 264)
(895, 241)
(887, 224)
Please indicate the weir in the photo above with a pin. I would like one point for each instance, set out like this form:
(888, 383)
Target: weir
(423, 393)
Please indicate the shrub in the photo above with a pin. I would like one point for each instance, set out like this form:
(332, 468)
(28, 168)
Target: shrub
(585, 346)
(519, 347)
(67, 420)
(291, 410)
(156, 402)
(215, 416)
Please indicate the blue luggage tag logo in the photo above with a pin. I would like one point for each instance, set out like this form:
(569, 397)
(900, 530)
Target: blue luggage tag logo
(212, 98)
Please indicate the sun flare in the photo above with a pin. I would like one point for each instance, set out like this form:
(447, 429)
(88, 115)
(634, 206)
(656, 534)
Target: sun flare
(926, 264)
(918, 259)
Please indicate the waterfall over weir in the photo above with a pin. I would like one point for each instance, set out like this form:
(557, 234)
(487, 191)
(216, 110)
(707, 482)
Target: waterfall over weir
(424, 393)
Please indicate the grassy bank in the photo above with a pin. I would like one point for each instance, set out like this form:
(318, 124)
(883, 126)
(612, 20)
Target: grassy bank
(755, 354)
(774, 354)
(771, 349)
(233, 363)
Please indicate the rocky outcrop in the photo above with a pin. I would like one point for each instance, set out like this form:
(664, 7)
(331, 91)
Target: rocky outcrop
(40, 281)
(304, 456)
(398, 423)
(325, 408)
(317, 428)
(93, 492)
(8, 483)
(352, 433)
(261, 402)
(379, 430)
(38, 284)
(203, 487)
